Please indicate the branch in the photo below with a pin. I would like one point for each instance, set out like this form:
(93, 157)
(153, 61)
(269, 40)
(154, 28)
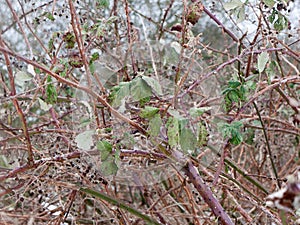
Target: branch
(75, 85)
(206, 194)
(221, 25)
(223, 65)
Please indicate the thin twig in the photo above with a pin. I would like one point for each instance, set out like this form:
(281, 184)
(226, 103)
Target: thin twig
(129, 32)
(16, 104)
(20, 26)
(268, 144)
(164, 19)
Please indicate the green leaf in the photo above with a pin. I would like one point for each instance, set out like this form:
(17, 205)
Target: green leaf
(234, 84)
(188, 140)
(234, 96)
(232, 5)
(251, 85)
(84, 140)
(50, 91)
(109, 166)
(50, 16)
(281, 23)
(44, 106)
(269, 3)
(21, 77)
(51, 46)
(232, 131)
(144, 101)
(102, 3)
(149, 112)
(262, 60)
(95, 56)
(273, 15)
(249, 136)
(234, 92)
(173, 131)
(105, 149)
(153, 84)
(194, 112)
(155, 124)
(92, 67)
(139, 89)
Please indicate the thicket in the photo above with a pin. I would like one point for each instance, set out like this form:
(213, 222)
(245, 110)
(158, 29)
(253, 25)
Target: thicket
(151, 112)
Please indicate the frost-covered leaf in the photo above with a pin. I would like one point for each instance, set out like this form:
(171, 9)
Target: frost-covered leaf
(119, 92)
(84, 140)
(155, 124)
(172, 53)
(232, 4)
(272, 70)
(173, 131)
(194, 112)
(84, 121)
(3, 162)
(31, 70)
(139, 89)
(175, 114)
(262, 60)
(109, 166)
(44, 106)
(188, 140)
(241, 14)
(105, 149)
(256, 123)
(176, 46)
(21, 77)
(153, 84)
(269, 3)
